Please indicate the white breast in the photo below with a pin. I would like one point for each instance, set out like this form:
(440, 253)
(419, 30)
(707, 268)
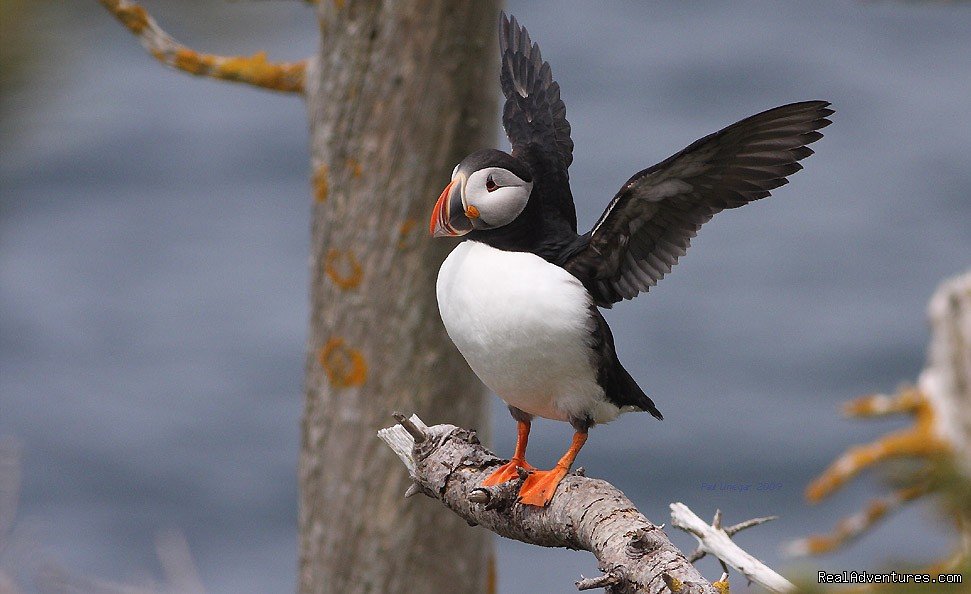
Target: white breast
(523, 325)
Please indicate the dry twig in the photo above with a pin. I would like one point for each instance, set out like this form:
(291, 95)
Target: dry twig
(718, 542)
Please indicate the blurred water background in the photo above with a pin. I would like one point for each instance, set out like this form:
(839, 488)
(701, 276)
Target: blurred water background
(153, 251)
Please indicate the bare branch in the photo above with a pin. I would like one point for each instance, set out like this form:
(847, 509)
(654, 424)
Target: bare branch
(585, 513)
(256, 70)
(716, 541)
(736, 528)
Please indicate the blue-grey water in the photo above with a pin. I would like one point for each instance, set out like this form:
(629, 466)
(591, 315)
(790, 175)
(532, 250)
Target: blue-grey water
(153, 251)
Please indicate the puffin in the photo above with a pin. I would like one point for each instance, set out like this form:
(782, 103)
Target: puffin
(520, 296)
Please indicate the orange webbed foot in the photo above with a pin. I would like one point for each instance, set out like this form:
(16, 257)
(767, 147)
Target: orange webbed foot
(539, 487)
(507, 472)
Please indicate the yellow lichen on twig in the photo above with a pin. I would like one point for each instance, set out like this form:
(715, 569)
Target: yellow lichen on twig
(256, 70)
(674, 584)
(919, 440)
(853, 526)
(909, 400)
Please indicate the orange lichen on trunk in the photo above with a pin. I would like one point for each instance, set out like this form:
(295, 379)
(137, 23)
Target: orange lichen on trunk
(355, 166)
(320, 182)
(255, 70)
(492, 578)
(345, 366)
(343, 268)
(405, 236)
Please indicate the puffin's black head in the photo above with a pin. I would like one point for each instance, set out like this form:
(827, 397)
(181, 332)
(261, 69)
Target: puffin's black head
(489, 189)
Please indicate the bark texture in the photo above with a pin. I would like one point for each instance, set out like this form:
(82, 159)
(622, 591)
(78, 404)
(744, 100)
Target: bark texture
(399, 92)
(448, 463)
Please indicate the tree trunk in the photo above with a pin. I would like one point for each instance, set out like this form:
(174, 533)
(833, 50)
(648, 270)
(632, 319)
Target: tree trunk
(946, 380)
(399, 93)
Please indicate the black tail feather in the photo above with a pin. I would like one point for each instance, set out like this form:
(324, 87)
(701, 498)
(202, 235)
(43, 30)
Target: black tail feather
(619, 387)
(638, 397)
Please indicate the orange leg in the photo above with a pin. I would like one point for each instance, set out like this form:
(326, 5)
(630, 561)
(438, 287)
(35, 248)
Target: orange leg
(539, 487)
(510, 470)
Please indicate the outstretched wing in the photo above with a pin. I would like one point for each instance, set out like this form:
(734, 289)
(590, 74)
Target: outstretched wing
(534, 116)
(650, 222)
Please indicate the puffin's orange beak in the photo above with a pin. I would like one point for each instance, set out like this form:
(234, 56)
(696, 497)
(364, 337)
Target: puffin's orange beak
(448, 216)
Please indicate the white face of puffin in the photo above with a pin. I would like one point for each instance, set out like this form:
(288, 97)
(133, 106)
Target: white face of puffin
(488, 198)
(494, 197)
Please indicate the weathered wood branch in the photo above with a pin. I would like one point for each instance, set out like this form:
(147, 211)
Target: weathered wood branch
(256, 70)
(717, 541)
(448, 463)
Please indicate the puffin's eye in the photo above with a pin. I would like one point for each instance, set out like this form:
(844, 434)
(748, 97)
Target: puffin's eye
(491, 184)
